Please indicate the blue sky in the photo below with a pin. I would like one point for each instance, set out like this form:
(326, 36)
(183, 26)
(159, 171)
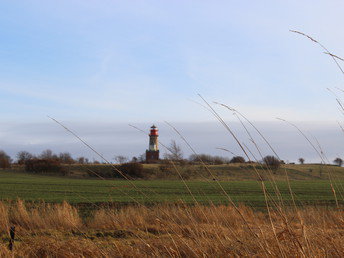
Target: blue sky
(142, 61)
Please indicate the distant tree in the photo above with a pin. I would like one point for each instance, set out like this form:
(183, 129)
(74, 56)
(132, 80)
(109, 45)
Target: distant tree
(217, 160)
(81, 160)
(338, 161)
(200, 157)
(5, 160)
(142, 158)
(208, 159)
(175, 152)
(23, 156)
(48, 154)
(237, 159)
(121, 159)
(134, 159)
(301, 160)
(272, 162)
(66, 158)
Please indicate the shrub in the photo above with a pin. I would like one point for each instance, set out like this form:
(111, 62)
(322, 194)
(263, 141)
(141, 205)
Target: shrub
(132, 169)
(101, 171)
(165, 167)
(44, 166)
(237, 159)
(272, 162)
(208, 159)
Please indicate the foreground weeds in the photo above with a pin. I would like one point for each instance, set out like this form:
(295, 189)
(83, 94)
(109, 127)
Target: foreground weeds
(57, 230)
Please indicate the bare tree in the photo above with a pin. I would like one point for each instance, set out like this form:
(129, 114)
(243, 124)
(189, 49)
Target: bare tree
(301, 160)
(82, 160)
(5, 160)
(338, 161)
(23, 156)
(66, 158)
(175, 151)
(48, 154)
(121, 159)
(272, 162)
(142, 158)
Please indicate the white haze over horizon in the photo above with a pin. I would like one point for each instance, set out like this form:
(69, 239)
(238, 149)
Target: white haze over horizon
(111, 139)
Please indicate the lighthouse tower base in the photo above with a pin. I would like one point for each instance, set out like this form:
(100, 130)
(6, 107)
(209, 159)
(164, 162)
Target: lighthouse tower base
(152, 156)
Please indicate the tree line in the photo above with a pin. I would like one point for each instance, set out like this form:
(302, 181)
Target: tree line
(175, 153)
(23, 157)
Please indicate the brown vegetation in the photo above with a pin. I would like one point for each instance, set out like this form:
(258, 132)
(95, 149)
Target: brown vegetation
(47, 165)
(128, 170)
(170, 230)
(5, 160)
(237, 159)
(272, 163)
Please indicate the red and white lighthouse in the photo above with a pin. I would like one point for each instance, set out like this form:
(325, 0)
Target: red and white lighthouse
(152, 154)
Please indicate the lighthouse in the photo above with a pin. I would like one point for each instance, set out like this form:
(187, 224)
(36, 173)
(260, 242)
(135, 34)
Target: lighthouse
(152, 154)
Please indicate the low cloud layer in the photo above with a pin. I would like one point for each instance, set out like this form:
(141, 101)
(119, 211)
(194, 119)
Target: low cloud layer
(112, 139)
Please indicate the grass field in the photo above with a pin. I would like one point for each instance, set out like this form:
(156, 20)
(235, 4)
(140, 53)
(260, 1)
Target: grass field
(58, 230)
(56, 189)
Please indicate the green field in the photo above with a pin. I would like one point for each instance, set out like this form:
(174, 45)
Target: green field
(29, 187)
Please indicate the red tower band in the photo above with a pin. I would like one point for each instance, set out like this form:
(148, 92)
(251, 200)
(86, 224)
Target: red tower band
(152, 154)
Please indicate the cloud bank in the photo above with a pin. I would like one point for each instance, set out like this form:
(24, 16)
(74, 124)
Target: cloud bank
(112, 139)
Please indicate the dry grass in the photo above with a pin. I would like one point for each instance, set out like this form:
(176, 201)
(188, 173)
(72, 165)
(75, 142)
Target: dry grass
(170, 230)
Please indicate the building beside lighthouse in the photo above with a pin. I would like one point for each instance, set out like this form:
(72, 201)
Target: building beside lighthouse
(152, 154)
